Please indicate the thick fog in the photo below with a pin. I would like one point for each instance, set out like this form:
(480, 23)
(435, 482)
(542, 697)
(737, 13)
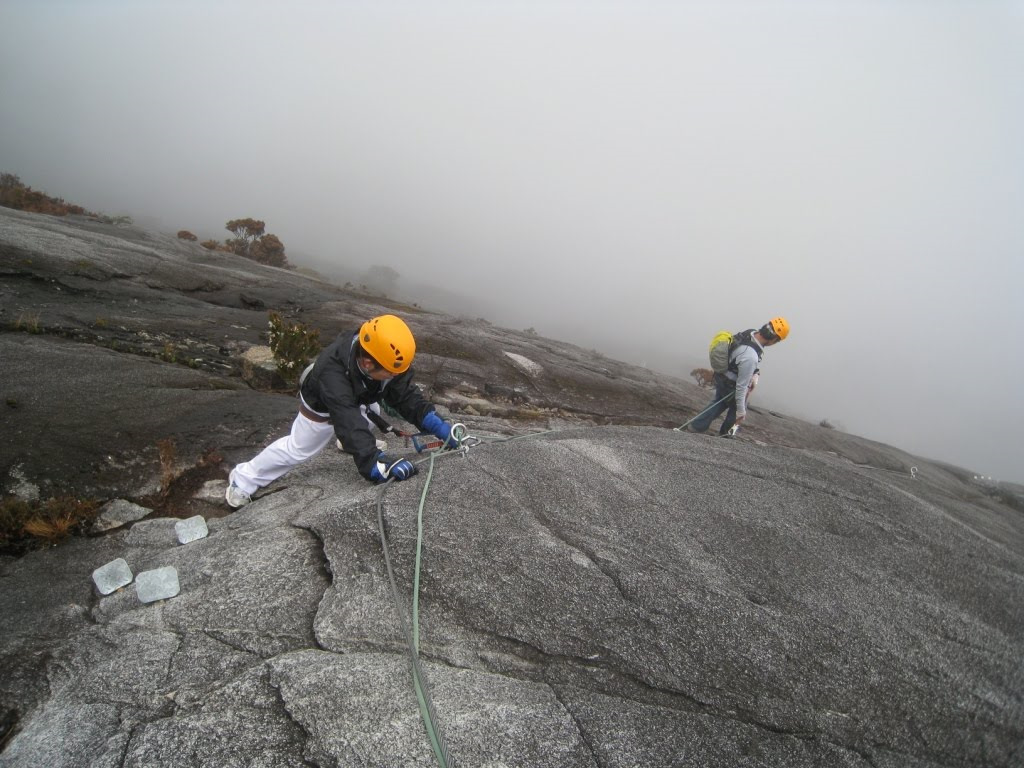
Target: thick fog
(628, 176)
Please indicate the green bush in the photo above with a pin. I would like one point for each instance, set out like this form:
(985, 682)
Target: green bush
(293, 345)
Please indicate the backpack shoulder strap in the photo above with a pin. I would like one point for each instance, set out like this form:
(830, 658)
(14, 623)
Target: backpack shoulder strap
(744, 339)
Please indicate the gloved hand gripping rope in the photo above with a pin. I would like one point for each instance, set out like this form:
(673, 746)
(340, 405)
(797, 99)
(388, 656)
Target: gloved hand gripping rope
(444, 436)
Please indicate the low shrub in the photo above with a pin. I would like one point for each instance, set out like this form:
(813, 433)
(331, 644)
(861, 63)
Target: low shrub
(293, 346)
(14, 194)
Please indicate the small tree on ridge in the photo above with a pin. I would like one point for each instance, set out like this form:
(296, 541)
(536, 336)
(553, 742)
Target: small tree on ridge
(246, 231)
(251, 242)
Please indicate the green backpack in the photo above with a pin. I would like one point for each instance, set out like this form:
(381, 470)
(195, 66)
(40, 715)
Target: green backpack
(722, 345)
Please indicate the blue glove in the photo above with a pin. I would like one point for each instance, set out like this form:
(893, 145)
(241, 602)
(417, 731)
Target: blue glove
(385, 468)
(440, 429)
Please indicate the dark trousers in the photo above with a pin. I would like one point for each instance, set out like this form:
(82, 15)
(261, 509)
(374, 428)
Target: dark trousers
(724, 387)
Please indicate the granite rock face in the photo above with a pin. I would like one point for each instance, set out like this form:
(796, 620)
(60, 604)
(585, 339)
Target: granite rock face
(593, 596)
(118, 340)
(594, 588)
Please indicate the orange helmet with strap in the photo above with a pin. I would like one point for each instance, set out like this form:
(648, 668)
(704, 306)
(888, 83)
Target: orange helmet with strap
(778, 326)
(388, 340)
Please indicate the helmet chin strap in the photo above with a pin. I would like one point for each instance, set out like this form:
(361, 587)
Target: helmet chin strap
(364, 360)
(362, 366)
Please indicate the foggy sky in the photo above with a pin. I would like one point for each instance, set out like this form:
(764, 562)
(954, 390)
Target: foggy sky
(628, 176)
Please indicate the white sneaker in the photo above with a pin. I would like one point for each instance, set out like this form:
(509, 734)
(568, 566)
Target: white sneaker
(235, 496)
(382, 445)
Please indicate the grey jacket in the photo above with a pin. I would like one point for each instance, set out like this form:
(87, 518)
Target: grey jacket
(745, 359)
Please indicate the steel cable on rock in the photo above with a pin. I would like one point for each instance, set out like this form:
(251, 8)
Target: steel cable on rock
(681, 427)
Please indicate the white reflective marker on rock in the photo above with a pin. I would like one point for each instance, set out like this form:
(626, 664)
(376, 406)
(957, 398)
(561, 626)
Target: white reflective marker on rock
(191, 529)
(157, 584)
(112, 576)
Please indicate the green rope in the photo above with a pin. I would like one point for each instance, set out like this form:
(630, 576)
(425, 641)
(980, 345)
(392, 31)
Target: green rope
(419, 548)
(426, 706)
(427, 712)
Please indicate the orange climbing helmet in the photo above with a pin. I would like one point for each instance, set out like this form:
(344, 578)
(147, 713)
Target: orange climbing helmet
(388, 340)
(777, 328)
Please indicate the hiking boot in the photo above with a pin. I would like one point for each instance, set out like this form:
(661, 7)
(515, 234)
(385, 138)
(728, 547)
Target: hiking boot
(235, 496)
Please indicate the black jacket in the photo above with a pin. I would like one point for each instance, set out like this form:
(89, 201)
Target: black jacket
(337, 387)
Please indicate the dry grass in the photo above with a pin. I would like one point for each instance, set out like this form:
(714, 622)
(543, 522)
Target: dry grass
(27, 321)
(169, 353)
(50, 529)
(26, 525)
(168, 454)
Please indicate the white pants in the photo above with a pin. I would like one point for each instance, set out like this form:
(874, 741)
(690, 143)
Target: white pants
(305, 441)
